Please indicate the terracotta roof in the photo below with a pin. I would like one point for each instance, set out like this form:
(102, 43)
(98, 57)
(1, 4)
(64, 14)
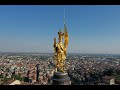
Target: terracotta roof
(108, 77)
(8, 82)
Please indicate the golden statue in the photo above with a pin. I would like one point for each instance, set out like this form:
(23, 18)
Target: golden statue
(60, 50)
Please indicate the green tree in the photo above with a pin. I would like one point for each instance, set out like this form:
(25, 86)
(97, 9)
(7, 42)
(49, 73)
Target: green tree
(18, 77)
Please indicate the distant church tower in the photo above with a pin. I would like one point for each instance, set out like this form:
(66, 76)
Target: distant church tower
(37, 72)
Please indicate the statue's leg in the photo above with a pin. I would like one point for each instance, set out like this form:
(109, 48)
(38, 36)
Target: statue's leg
(61, 64)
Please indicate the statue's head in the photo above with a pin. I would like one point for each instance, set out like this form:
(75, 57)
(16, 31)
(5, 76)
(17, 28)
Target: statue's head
(60, 34)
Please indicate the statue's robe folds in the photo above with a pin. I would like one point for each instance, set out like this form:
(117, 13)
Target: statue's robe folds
(61, 51)
(60, 55)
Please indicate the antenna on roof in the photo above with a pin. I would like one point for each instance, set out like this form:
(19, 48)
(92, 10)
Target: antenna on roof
(64, 15)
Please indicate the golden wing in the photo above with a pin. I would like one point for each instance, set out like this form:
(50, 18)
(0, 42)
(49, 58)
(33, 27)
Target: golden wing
(66, 37)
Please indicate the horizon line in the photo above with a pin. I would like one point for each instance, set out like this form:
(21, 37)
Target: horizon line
(53, 52)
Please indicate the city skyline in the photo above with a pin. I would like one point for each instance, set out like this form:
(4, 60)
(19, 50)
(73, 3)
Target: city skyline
(32, 28)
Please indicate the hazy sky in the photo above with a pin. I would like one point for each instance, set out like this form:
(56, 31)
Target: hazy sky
(31, 28)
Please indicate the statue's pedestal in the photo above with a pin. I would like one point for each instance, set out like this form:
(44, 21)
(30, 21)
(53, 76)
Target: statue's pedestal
(61, 78)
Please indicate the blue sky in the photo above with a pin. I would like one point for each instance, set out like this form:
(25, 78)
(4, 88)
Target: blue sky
(31, 28)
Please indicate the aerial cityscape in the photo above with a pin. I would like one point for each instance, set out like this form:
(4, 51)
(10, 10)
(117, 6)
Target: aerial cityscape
(83, 69)
(43, 45)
